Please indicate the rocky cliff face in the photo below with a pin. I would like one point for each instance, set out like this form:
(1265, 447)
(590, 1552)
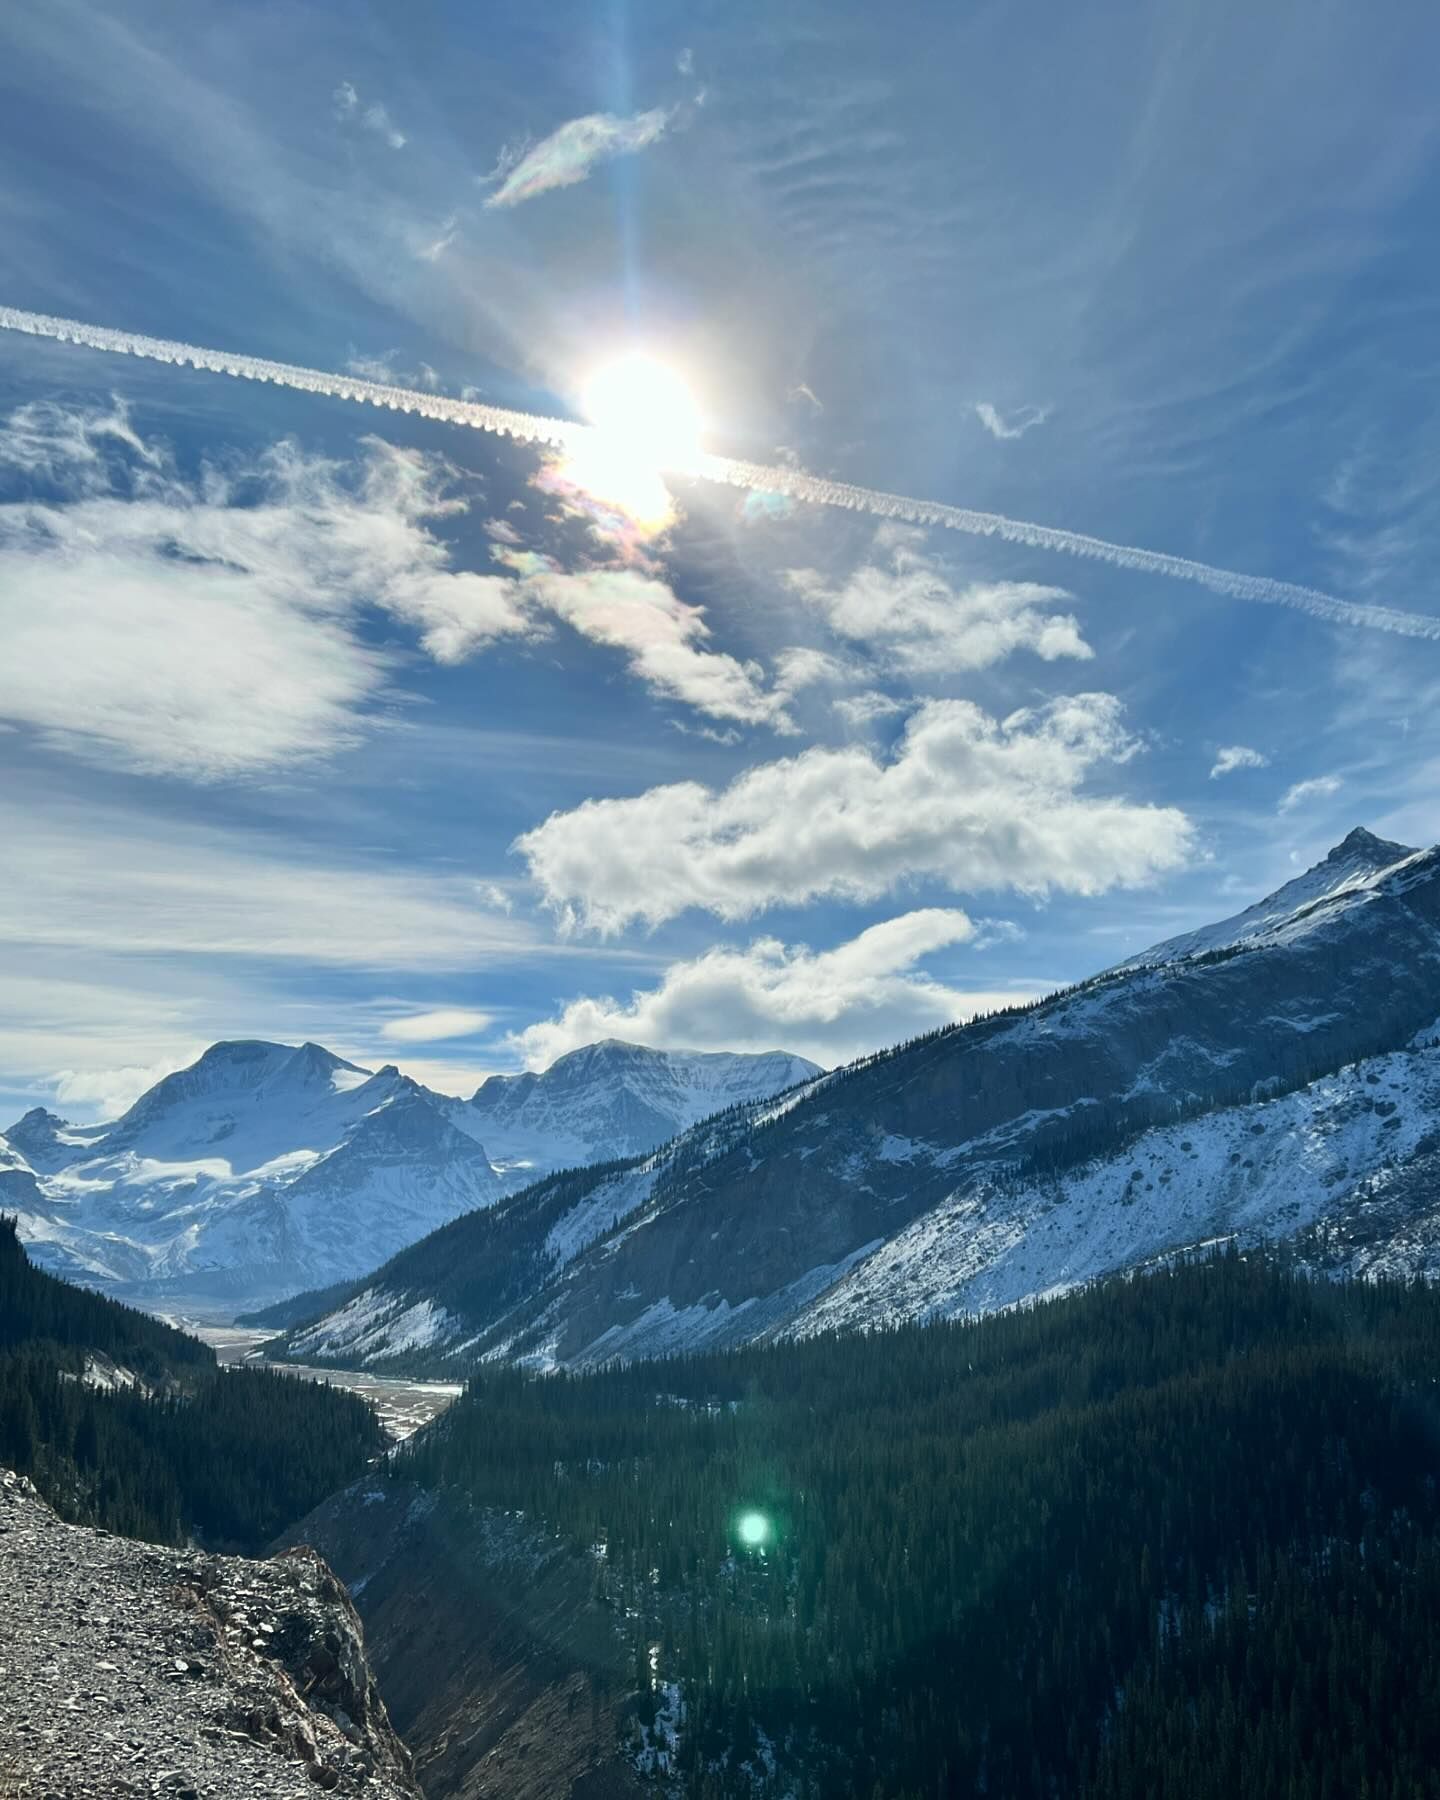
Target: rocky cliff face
(505, 1677)
(127, 1669)
(1262, 1077)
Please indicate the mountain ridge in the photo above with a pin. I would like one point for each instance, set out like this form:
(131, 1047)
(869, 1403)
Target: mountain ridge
(263, 1168)
(752, 1223)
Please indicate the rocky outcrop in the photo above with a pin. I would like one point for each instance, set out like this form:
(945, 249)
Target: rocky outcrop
(129, 1669)
(506, 1676)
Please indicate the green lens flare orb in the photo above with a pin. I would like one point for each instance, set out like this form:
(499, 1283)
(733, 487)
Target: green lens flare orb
(754, 1530)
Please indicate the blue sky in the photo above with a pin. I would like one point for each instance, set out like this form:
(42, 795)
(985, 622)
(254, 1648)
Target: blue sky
(321, 722)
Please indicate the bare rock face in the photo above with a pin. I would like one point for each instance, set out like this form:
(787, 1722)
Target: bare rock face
(509, 1680)
(131, 1669)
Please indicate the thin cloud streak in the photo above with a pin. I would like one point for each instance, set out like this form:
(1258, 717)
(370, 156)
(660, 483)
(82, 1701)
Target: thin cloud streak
(759, 477)
(569, 154)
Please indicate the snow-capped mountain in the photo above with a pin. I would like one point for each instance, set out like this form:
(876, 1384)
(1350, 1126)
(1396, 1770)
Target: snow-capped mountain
(1350, 870)
(263, 1169)
(1277, 1073)
(614, 1099)
(259, 1169)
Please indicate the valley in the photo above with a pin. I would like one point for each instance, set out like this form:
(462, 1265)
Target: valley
(401, 1406)
(804, 1447)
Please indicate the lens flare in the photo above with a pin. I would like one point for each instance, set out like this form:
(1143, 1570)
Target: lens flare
(753, 1529)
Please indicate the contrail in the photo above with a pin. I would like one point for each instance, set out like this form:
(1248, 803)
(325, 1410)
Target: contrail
(564, 434)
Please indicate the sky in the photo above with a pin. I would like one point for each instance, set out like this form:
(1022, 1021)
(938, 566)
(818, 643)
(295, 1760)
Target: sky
(459, 752)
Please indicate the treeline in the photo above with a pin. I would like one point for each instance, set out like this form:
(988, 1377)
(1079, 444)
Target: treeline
(1172, 1536)
(186, 1449)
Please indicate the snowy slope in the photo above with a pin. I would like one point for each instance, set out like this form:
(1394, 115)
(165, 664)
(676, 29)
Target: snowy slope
(259, 1170)
(1277, 1073)
(614, 1099)
(1349, 875)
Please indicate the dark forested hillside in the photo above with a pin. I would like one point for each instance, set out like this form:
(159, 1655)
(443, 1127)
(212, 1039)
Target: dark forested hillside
(124, 1422)
(1172, 1536)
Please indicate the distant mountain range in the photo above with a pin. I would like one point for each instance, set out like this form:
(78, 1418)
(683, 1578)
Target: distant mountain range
(1276, 1074)
(263, 1169)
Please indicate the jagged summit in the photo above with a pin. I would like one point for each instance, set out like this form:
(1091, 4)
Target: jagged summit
(263, 1168)
(613, 1098)
(1350, 869)
(1363, 843)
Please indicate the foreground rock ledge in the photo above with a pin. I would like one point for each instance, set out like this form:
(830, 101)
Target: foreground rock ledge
(130, 1669)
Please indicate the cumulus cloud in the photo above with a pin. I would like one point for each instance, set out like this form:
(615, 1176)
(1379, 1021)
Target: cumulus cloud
(906, 608)
(1237, 756)
(106, 1093)
(570, 153)
(965, 799)
(1018, 423)
(828, 1005)
(373, 118)
(432, 1027)
(1319, 787)
(204, 629)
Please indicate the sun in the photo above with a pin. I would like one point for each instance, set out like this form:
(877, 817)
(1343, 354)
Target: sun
(644, 409)
(645, 423)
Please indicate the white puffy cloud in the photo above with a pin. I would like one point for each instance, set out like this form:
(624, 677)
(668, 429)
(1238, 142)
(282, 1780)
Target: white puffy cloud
(205, 629)
(1319, 787)
(569, 153)
(828, 1005)
(974, 802)
(434, 1026)
(106, 1093)
(904, 606)
(1237, 756)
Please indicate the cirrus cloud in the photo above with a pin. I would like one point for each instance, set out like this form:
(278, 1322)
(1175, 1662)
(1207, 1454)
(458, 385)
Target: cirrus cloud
(569, 153)
(1319, 787)
(964, 799)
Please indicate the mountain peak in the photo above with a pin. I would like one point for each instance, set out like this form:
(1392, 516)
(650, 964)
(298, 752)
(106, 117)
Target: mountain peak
(1378, 851)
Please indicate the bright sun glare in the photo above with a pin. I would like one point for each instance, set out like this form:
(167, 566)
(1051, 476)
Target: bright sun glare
(643, 406)
(646, 422)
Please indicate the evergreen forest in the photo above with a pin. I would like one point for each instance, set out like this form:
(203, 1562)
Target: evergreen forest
(175, 1447)
(1176, 1535)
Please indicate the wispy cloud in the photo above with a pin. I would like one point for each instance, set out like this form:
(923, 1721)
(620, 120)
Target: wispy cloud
(829, 1005)
(182, 890)
(436, 1025)
(964, 799)
(1319, 787)
(1016, 425)
(792, 483)
(1237, 756)
(373, 118)
(569, 154)
(663, 638)
(163, 626)
(803, 391)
